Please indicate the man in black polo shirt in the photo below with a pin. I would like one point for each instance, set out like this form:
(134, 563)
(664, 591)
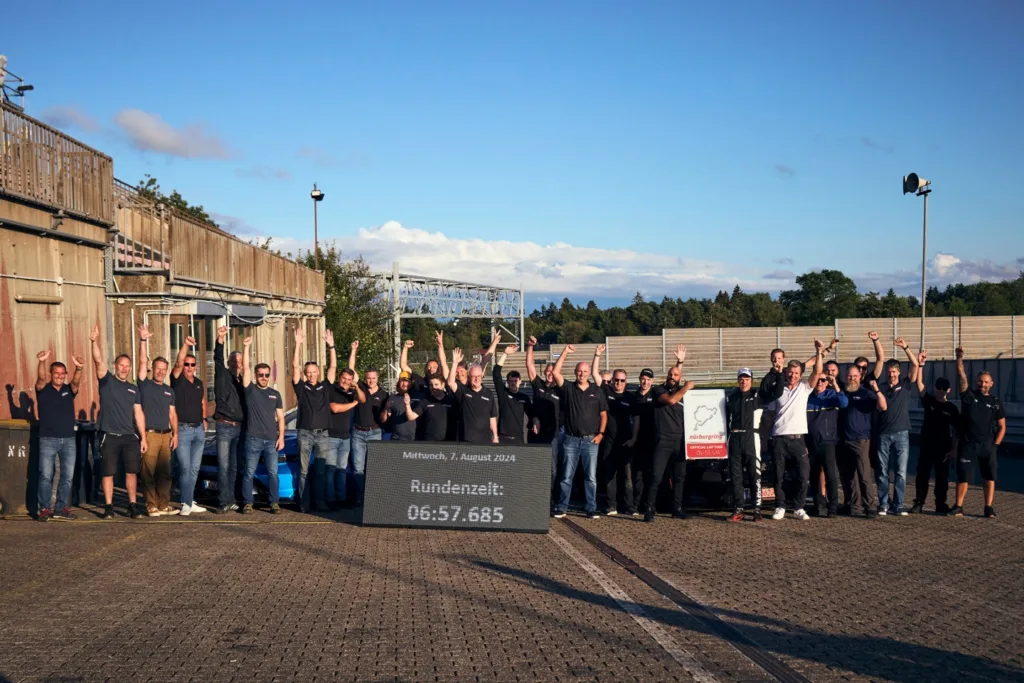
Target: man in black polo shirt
(982, 429)
(264, 434)
(393, 412)
(161, 429)
(643, 449)
(56, 403)
(190, 403)
(938, 440)
(894, 432)
(477, 407)
(547, 408)
(586, 419)
(619, 437)
(514, 407)
(432, 412)
(229, 418)
(313, 396)
(123, 425)
(368, 425)
(668, 440)
(345, 398)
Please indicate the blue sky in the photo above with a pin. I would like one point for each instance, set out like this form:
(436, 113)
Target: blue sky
(593, 148)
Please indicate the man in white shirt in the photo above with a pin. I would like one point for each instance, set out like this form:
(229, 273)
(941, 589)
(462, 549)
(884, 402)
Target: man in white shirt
(790, 430)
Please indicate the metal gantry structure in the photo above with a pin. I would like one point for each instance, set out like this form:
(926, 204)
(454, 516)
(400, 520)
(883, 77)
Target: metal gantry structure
(419, 296)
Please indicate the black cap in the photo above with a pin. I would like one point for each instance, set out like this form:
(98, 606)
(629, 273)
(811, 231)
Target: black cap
(942, 384)
(647, 372)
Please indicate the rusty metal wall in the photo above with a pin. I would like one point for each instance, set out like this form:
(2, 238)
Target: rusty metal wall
(74, 274)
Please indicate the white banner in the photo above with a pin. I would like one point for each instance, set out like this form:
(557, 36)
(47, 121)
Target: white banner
(704, 420)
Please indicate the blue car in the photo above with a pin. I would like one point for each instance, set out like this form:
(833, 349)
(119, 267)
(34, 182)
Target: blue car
(287, 469)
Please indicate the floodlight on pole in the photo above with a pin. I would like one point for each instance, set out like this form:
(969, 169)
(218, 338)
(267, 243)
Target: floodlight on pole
(317, 196)
(914, 184)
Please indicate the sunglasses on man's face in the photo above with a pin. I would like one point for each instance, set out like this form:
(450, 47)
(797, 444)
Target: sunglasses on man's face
(190, 365)
(619, 379)
(263, 374)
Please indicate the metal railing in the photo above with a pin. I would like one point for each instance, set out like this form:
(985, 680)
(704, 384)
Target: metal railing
(40, 164)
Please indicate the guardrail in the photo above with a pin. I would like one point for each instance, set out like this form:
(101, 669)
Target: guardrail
(42, 165)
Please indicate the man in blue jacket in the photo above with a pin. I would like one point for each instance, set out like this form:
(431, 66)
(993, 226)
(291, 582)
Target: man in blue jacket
(822, 436)
(855, 429)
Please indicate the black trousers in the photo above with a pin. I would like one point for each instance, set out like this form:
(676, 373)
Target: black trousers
(614, 464)
(860, 490)
(934, 455)
(668, 450)
(784, 449)
(743, 460)
(640, 459)
(823, 458)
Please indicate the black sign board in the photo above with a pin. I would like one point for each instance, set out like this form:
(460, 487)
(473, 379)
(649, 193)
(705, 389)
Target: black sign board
(457, 486)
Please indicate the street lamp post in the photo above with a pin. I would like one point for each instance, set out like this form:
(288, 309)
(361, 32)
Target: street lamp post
(317, 197)
(914, 184)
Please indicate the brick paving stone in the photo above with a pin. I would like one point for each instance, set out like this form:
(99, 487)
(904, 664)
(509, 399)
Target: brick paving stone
(918, 598)
(294, 596)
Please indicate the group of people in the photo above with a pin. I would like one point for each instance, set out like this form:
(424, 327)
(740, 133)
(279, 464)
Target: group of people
(852, 433)
(839, 433)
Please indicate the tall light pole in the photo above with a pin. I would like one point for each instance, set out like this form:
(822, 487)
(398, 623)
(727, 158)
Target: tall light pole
(318, 197)
(915, 184)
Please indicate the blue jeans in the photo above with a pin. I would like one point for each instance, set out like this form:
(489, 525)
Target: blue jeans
(337, 469)
(575, 448)
(189, 455)
(255, 448)
(50, 447)
(897, 446)
(227, 461)
(359, 439)
(556, 461)
(308, 440)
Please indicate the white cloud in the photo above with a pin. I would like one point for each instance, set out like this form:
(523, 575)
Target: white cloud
(557, 269)
(149, 132)
(261, 172)
(943, 269)
(70, 116)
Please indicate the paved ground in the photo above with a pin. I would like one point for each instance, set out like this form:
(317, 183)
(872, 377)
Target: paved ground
(266, 598)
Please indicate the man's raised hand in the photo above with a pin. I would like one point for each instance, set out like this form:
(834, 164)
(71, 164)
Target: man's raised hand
(511, 348)
(680, 353)
(922, 357)
(599, 350)
(532, 341)
(329, 337)
(43, 355)
(190, 341)
(246, 343)
(95, 334)
(145, 332)
(222, 333)
(300, 335)
(355, 345)
(900, 343)
(456, 356)
(959, 353)
(569, 348)
(873, 336)
(78, 361)
(409, 343)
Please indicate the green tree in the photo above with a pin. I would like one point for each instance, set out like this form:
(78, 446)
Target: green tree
(355, 308)
(149, 189)
(822, 297)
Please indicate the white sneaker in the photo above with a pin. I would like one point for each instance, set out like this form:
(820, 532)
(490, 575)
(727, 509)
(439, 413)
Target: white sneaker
(779, 513)
(883, 513)
(197, 508)
(233, 507)
(611, 513)
(185, 511)
(801, 515)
